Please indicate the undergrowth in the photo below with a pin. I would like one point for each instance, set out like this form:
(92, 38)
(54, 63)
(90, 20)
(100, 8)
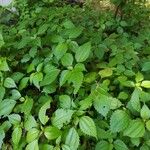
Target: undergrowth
(74, 78)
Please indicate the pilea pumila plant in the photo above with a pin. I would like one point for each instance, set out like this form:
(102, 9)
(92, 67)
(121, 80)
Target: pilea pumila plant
(72, 78)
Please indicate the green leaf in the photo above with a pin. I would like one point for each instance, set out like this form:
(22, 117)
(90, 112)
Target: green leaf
(102, 134)
(65, 147)
(65, 101)
(44, 146)
(114, 103)
(37, 78)
(1, 36)
(42, 112)
(32, 135)
(145, 66)
(67, 60)
(135, 129)
(6, 106)
(135, 102)
(145, 112)
(76, 78)
(30, 68)
(52, 132)
(42, 29)
(25, 58)
(50, 77)
(64, 76)
(30, 123)
(26, 107)
(9, 83)
(86, 103)
(2, 136)
(60, 50)
(123, 95)
(145, 84)
(23, 83)
(139, 77)
(90, 77)
(148, 125)
(103, 145)
(87, 126)
(120, 145)
(17, 76)
(61, 117)
(144, 147)
(2, 93)
(33, 51)
(15, 94)
(105, 72)
(6, 125)
(74, 32)
(72, 139)
(119, 121)
(68, 24)
(3, 64)
(79, 67)
(135, 141)
(14, 119)
(102, 104)
(32, 146)
(83, 52)
(39, 67)
(16, 135)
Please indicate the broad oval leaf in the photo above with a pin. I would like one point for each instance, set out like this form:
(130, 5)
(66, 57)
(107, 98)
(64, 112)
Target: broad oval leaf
(103, 145)
(33, 145)
(42, 112)
(9, 83)
(83, 52)
(60, 50)
(30, 123)
(120, 145)
(135, 102)
(145, 112)
(102, 104)
(32, 134)
(2, 136)
(15, 94)
(65, 101)
(148, 125)
(145, 84)
(6, 106)
(37, 78)
(146, 67)
(14, 119)
(105, 72)
(23, 83)
(87, 126)
(67, 60)
(135, 129)
(3, 63)
(52, 132)
(61, 117)
(76, 78)
(50, 77)
(2, 93)
(16, 135)
(72, 139)
(64, 76)
(119, 121)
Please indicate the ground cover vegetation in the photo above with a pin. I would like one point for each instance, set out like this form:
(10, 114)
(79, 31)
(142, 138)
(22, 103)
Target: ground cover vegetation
(74, 77)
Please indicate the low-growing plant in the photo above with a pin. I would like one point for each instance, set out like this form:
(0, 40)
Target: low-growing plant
(74, 78)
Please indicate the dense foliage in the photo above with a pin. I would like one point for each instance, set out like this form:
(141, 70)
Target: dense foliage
(74, 78)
